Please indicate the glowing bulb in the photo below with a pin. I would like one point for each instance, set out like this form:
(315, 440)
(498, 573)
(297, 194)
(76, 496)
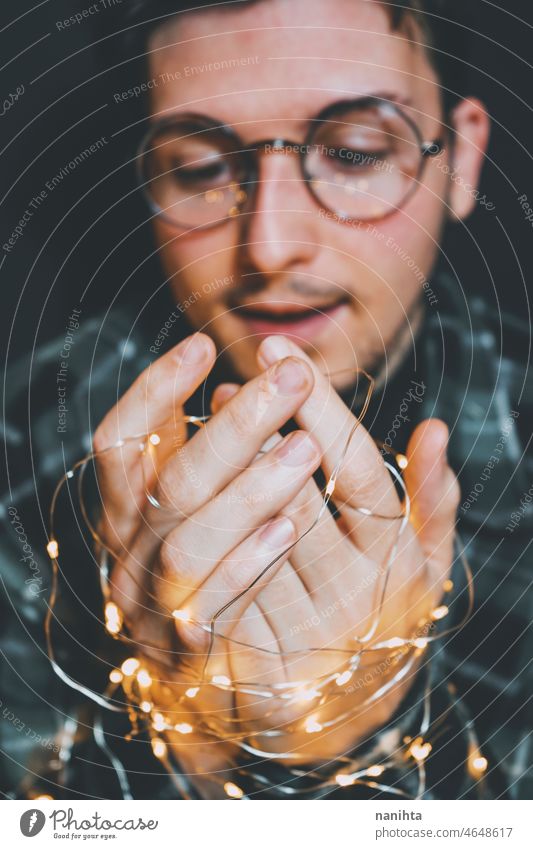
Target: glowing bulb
(344, 780)
(222, 680)
(420, 642)
(181, 615)
(155, 439)
(42, 797)
(113, 618)
(312, 725)
(402, 461)
(130, 666)
(477, 764)
(159, 747)
(53, 549)
(447, 586)
(115, 676)
(419, 750)
(307, 695)
(233, 791)
(144, 678)
(192, 692)
(375, 771)
(146, 707)
(394, 643)
(212, 196)
(183, 727)
(158, 723)
(344, 677)
(440, 612)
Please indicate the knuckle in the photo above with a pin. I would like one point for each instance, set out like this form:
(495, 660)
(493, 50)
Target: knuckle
(177, 566)
(170, 491)
(245, 499)
(238, 420)
(192, 637)
(170, 561)
(235, 574)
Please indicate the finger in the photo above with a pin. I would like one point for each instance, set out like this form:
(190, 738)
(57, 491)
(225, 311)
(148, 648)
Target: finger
(191, 552)
(222, 395)
(319, 557)
(434, 493)
(232, 438)
(363, 481)
(307, 602)
(151, 402)
(239, 577)
(218, 452)
(124, 474)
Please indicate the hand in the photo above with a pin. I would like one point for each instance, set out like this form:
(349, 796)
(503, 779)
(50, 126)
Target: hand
(336, 572)
(235, 497)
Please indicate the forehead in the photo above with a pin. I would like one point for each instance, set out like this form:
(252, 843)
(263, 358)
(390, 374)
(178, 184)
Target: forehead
(279, 60)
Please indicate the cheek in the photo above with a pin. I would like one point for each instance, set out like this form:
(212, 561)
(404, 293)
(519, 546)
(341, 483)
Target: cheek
(198, 267)
(402, 250)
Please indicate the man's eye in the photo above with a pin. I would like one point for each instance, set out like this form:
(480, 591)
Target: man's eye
(213, 173)
(360, 158)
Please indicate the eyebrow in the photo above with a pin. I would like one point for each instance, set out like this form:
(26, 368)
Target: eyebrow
(397, 98)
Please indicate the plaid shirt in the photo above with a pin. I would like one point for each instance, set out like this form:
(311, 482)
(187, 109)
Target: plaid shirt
(483, 393)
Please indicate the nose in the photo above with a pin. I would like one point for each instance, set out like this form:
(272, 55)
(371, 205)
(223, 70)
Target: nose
(280, 223)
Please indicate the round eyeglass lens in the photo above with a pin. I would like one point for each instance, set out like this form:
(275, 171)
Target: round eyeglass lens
(363, 163)
(192, 176)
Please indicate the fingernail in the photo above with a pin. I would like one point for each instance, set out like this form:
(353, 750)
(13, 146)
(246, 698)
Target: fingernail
(192, 350)
(277, 532)
(274, 348)
(296, 450)
(290, 375)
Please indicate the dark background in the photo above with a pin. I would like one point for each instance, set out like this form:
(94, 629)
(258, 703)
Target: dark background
(89, 233)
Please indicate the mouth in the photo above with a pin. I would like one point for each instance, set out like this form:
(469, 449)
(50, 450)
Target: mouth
(301, 323)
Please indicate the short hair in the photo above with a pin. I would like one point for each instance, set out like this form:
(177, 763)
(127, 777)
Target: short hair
(442, 23)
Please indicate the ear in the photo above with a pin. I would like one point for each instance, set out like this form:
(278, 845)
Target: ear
(472, 128)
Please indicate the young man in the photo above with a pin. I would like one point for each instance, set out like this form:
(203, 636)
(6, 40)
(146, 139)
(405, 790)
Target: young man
(297, 162)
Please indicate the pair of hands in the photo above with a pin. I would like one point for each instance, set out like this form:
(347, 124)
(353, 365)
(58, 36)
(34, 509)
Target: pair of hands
(229, 507)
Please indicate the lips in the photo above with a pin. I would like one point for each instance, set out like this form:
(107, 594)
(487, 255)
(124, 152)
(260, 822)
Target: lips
(289, 319)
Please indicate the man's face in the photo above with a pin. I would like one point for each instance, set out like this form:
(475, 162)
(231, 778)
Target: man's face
(350, 294)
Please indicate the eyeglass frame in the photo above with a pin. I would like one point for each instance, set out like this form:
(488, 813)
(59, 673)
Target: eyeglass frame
(251, 152)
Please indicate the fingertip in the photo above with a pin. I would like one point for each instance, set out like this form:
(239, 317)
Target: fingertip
(429, 441)
(222, 394)
(277, 533)
(274, 348)
(195, 350)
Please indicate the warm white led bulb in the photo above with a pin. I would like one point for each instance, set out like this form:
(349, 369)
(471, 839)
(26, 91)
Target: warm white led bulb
(53, 549)
(233, 791)
(181, 615)
(144, 678)
(222, 680)
(130, 666)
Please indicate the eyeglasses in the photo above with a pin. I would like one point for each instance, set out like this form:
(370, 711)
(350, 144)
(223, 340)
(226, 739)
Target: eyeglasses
(361, 161)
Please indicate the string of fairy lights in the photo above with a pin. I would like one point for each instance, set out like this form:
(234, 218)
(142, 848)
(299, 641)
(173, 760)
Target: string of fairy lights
(135, 687)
